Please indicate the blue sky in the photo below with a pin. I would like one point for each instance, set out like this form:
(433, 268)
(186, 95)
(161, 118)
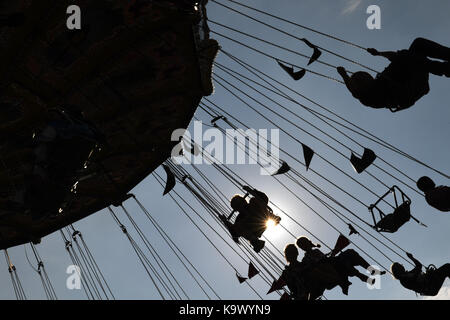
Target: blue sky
(422, 131)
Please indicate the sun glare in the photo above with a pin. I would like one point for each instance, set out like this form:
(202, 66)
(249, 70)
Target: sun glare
(270, 224)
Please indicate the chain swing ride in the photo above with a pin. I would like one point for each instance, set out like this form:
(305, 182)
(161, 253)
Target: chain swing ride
(89, 115)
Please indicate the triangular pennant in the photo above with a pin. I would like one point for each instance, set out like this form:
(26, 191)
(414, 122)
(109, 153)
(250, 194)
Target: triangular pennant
(252, 271)
(316, 54)
(369, 155)
(341, 243)
(352, 230)
(283, 169)
(308, 153)
(298, 75)
(277, 285)
(170, 183)
(285, 296)
(309, 44)
(290, 70)
(366, 160)
(240, 279)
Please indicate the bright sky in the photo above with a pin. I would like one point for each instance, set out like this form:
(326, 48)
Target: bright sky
(422, 131)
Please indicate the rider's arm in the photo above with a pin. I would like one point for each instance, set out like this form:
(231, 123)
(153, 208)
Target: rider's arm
(343, 73)
(418, 265)
(257, 194)
(347, 80)
(391, 55)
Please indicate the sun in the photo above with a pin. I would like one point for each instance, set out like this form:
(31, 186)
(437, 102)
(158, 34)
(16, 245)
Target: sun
(273, 228)
(270, 224)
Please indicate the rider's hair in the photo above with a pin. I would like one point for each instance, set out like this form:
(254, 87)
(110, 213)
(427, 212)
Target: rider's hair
(425, 184)
(397, 270)
(290, 252)
(237, 201)
(304, 242)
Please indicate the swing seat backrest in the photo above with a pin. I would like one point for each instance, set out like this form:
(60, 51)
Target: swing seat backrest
(403, 212)
(393, 221)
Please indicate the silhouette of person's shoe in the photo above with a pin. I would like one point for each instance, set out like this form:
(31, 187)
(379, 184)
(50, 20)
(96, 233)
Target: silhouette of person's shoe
(362, 277)
(374, 271)
(361, 164)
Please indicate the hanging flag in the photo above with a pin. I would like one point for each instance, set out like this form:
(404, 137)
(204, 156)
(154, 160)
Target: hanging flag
(341, 243)
(240, 279)
(285, 296)
(170, 183)
(308, 153)
(362, 164)
(252, 271)
(299, 74)
(283, 169)
(277, 285)
(352, 230)
(290, 70)
(316, 54)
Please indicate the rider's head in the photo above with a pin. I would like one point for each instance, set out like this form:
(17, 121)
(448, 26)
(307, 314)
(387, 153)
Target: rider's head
(425, 184)
(397, 270)
(290, 253)
(304, 243)
(360, 84)
(238, 202)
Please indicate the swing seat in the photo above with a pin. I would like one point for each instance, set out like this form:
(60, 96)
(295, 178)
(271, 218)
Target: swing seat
(393, 221)
(401, 214)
